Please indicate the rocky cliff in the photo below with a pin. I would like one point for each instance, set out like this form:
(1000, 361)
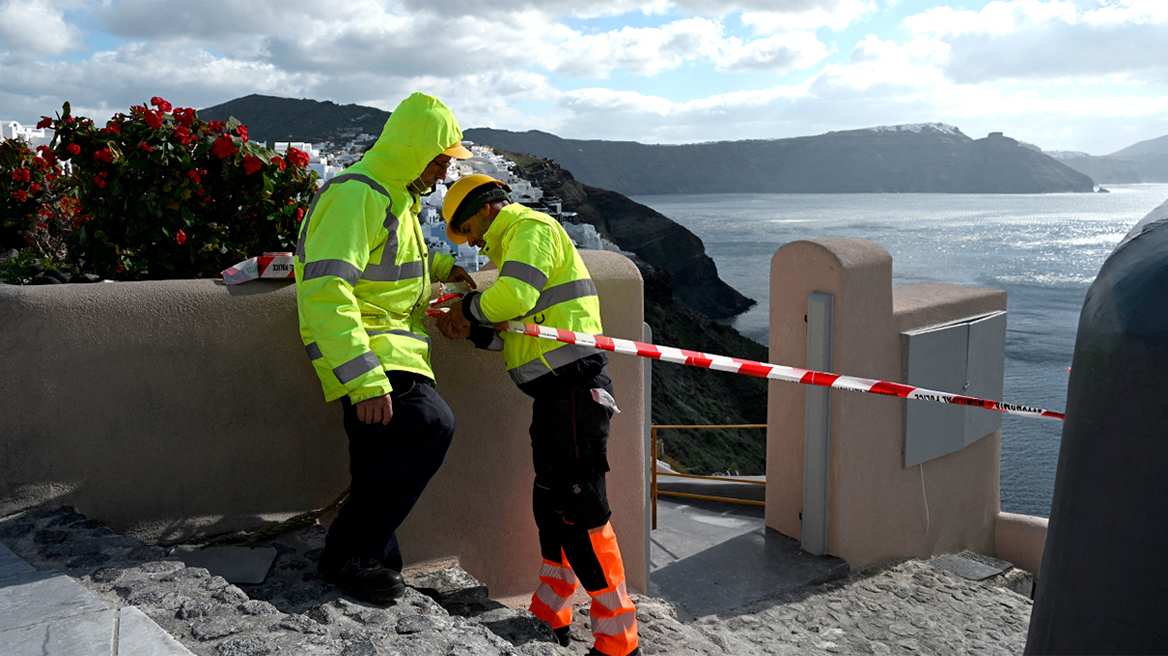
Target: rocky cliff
(653, 237)
(929, 158)
(682, 292)
(274, 119)
(1146, 161)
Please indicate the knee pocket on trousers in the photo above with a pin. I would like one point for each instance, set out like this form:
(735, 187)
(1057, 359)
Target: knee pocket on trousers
(585, 505)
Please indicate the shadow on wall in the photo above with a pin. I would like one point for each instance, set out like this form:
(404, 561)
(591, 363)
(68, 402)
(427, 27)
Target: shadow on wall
(180, 408)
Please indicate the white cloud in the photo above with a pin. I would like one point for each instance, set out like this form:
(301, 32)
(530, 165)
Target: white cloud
(1066, 74)
(641, 51)
(780, 52)
(35, 28)
(809, 16)
(1051, 40)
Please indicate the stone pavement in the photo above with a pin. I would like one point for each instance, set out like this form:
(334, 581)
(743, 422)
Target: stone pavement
(69, 585)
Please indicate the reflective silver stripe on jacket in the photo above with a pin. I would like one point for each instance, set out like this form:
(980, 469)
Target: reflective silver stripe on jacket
(344, 177)
(475, 310)
(391, 272)
(403, 333)
(357, 367)
(525, 272)
(339, 268)
(565, 292)
(388, 270)
(614, 625)
(313, 350)
(556, 358)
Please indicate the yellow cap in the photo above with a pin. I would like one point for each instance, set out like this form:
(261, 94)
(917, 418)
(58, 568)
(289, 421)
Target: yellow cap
(458, 151)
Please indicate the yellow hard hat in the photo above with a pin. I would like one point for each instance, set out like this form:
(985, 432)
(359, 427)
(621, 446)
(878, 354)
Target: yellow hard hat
(465, 197)
(458, 151)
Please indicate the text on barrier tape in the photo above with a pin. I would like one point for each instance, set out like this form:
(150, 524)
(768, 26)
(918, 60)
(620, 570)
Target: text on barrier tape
(765, 370)
(268, 265)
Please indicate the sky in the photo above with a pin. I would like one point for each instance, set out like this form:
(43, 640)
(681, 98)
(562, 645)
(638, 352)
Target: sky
(1079, 75)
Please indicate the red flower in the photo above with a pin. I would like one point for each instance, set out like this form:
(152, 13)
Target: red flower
(242, 132)
(116, 128)
(33, 188)
(224, 147)
(20, 195)
(180, 237)
(21, 175)
(298, 158)
(194, 175)
(153, 118)
(99, 181)
(160, 104)
(104, 155)
(43, 226)
(299, 214)
(183, 135)
(46, 122)
(146, 147)
(216, 126)
(251, 164)
(279, 162)
(184, 116)
(73, 149)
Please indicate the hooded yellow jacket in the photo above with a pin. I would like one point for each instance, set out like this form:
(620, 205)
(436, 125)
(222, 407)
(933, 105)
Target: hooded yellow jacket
(541, 280)
(363, 272)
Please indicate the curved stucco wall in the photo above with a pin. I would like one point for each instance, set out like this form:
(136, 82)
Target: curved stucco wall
(878, 509)
(177, 408)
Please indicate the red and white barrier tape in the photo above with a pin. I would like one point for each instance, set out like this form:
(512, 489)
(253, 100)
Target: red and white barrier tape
(268, 265)
(765, 370)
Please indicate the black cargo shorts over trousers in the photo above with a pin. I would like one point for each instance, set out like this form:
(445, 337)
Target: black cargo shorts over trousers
(569, 445)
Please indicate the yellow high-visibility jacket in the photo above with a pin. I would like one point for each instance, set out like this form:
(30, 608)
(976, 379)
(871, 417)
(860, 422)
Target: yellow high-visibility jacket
(363, 272)
(541, 280)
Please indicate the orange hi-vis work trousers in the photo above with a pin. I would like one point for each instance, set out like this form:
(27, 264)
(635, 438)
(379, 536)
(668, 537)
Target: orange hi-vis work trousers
(614, 618)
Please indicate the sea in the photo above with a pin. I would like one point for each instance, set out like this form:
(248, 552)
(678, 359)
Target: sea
(1043, 249)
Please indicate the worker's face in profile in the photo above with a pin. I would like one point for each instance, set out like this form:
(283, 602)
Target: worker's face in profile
(476, 226)
(434, 171)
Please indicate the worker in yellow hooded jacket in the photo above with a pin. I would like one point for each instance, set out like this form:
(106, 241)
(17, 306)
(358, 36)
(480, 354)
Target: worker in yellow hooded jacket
(363, 276)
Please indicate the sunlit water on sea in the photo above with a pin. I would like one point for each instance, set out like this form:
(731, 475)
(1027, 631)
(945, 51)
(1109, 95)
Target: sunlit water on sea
(1044, 250)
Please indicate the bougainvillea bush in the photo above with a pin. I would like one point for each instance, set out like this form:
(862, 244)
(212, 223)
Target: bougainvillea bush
(159, 193)
(37, 205)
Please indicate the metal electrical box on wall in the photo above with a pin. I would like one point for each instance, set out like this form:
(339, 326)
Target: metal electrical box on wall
(966, 357)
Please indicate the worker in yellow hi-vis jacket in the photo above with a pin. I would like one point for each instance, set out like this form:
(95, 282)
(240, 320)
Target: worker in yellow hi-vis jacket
(363, 278)
(543, 280)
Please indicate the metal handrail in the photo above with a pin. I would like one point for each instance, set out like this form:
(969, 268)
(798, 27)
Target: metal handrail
(653, 485)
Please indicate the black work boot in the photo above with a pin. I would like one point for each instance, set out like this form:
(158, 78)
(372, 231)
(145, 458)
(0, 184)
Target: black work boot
(564, 635)
(366, 579)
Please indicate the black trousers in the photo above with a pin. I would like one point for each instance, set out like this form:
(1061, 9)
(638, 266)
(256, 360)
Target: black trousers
(390, 466)
(569, 447)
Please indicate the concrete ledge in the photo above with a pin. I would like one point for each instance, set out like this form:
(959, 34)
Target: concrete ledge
(1021, 539)
(174, 409)
(729, 489)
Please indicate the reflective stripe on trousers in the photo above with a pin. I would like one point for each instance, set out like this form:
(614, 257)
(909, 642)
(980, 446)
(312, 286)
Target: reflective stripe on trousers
(614, 618)
(552, 601)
